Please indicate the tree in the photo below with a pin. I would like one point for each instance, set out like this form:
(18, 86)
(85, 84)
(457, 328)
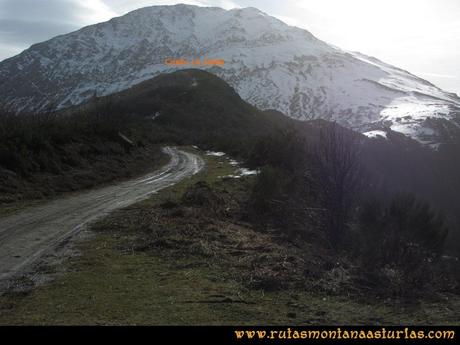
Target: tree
(339, 177)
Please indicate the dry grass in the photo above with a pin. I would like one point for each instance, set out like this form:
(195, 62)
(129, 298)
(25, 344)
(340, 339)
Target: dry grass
(187, 256)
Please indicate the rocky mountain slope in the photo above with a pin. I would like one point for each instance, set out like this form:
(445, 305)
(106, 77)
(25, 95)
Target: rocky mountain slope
(270, 64)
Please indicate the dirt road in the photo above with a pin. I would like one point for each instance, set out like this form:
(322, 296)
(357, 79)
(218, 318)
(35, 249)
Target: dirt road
(28, 235)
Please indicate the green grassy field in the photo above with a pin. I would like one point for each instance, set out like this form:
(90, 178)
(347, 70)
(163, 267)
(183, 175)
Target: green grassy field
(116, 282)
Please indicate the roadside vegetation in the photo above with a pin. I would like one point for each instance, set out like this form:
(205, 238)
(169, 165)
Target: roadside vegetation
(192, 255)
(45, 155)
(327, 232)
(378, 241)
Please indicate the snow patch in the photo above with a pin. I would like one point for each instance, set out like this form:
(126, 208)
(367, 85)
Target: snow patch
(215, 154)
(155, 115)
(194, 83)
(376, 134)
(241, 173)
(248, 172)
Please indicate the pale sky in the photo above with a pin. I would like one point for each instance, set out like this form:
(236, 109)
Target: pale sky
(421, 36)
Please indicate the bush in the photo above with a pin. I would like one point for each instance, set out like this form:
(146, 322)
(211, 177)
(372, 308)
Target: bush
(268, 191)
(279, 200)
(43, 154)
(287, 150)
(397, 245)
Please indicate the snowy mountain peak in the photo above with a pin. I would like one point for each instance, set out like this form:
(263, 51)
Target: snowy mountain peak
(269, 63)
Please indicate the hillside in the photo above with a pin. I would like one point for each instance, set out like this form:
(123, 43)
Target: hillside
(108, 138)
(199, 107)
(189, 256)
(270, 64)
(194, 107)
(328, 224)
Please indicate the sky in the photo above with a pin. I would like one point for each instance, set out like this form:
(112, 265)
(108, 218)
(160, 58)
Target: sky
(421, 36)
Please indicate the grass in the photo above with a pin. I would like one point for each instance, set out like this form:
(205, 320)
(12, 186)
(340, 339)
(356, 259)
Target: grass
(107, 287)
(115, 283)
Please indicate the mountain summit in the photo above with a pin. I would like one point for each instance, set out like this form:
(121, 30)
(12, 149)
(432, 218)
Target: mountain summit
(270, 64)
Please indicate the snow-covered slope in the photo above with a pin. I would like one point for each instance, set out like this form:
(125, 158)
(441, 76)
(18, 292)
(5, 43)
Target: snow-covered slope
(270, 64)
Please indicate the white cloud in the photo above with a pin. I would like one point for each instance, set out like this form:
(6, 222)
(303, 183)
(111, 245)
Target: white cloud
(7, 50)
(24, 22)
(95, 11)
(289, 20)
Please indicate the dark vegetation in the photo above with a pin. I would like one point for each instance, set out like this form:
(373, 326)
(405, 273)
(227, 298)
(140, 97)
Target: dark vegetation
(399, 246)
(386, 240)
(46, 154)
(117, 136)
(367, 208)
(196, 107)
(190, 255)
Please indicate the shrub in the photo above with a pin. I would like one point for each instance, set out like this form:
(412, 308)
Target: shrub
(398, 244)
(267, 191)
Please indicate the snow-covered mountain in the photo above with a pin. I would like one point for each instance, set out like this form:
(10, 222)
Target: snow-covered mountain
(270, 64)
